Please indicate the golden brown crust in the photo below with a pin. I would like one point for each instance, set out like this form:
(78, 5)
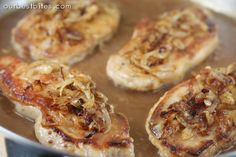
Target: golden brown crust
(197, 117)
(67, 35)
(75, 123)
(168, 47)
(179, 33)
(180, 30)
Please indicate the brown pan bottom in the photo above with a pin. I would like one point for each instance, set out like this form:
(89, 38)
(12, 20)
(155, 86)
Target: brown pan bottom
(135, 105)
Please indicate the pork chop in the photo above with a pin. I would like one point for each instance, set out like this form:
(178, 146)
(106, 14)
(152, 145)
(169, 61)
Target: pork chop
(70, 113)
(67, 35)
(161, 51)
(197, 118)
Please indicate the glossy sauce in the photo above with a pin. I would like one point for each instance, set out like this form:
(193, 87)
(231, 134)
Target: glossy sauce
(135, 105)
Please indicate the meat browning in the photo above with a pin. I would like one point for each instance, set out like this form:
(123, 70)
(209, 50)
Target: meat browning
(161, 51)
(66, 35)
(197, 117)
(70, 113)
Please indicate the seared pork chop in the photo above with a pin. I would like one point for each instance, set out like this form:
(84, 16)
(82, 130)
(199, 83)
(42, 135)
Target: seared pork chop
(196, 118)
(66, 35)
(70, 113)
(161, 51)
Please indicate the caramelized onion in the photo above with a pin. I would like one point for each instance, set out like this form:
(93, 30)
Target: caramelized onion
(68, 88)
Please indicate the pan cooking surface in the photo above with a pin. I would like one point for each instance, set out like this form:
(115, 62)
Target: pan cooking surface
(135, 105)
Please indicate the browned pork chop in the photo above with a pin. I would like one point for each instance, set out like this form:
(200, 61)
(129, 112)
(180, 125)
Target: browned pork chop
(67, 35)
(70, 113)
(196, 118)
(160, 52)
